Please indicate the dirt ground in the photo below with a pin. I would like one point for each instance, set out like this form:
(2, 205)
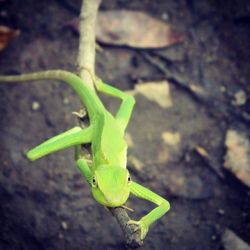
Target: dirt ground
(48, 205)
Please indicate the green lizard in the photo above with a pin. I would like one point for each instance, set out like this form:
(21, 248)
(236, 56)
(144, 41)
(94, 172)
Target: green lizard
(108, 176)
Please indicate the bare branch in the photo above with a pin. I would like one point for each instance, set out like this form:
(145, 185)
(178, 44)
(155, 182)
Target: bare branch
(86, 56)
(86, 64)
(131, 234)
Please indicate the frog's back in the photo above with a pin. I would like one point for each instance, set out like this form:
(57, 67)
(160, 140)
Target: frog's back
(110, 147)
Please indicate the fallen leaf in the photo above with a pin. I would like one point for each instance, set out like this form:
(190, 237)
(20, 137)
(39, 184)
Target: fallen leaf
(198, 89)
(135, 29)
(6, 35)
(163, 156)
(233, 242)
(157, 92)
(171, 139)
(135, 162)
(132, 28)
(201, 151)
(129, 140)
(237, 159)
(240, 98)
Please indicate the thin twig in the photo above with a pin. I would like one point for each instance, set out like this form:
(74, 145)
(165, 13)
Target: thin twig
(86, 56)
(86, 65)
(132, 237)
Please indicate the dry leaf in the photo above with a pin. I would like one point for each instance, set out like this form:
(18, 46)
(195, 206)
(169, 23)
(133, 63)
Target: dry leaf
(237, 158)
(132, 28)
(198, 89)
(135, 162)
(240, 98)
(135, 29)
(6, 35)
(201, 151)
(231, 241)
(163, 156)
(157, 92)
(171, 139)
(129, 140)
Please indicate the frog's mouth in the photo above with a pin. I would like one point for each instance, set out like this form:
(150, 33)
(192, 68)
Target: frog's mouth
(113, 199)
(111, 185)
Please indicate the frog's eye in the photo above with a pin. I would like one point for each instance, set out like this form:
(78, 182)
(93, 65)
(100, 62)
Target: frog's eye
(94, 182)
(129, 179)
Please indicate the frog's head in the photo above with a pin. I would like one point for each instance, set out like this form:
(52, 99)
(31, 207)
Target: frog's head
(111, 185)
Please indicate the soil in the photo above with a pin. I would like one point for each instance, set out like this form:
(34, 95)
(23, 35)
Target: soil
(48, 205)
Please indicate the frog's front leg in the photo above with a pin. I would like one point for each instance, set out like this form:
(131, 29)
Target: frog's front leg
(163, 206)
(84, 169)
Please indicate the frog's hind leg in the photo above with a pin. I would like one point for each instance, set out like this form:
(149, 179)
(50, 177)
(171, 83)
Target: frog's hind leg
(72, 137)
(125, 110)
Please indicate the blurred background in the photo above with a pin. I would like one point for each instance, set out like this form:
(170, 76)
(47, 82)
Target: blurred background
(187, 64)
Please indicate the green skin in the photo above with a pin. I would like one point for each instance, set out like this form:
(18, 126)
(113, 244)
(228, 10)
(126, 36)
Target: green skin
(108, 176)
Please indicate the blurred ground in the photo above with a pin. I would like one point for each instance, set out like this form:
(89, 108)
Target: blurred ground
(47, 204)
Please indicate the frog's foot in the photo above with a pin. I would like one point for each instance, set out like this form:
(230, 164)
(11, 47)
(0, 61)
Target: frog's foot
(141, 226)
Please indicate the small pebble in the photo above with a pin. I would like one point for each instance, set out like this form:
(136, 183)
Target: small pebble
(165, 16)
(65, 100)
(244, 214)
(35, 105)
(60, 236)
(213, 237)
(223, 89)
(221, 211)
(64, 225)
(3, 13)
